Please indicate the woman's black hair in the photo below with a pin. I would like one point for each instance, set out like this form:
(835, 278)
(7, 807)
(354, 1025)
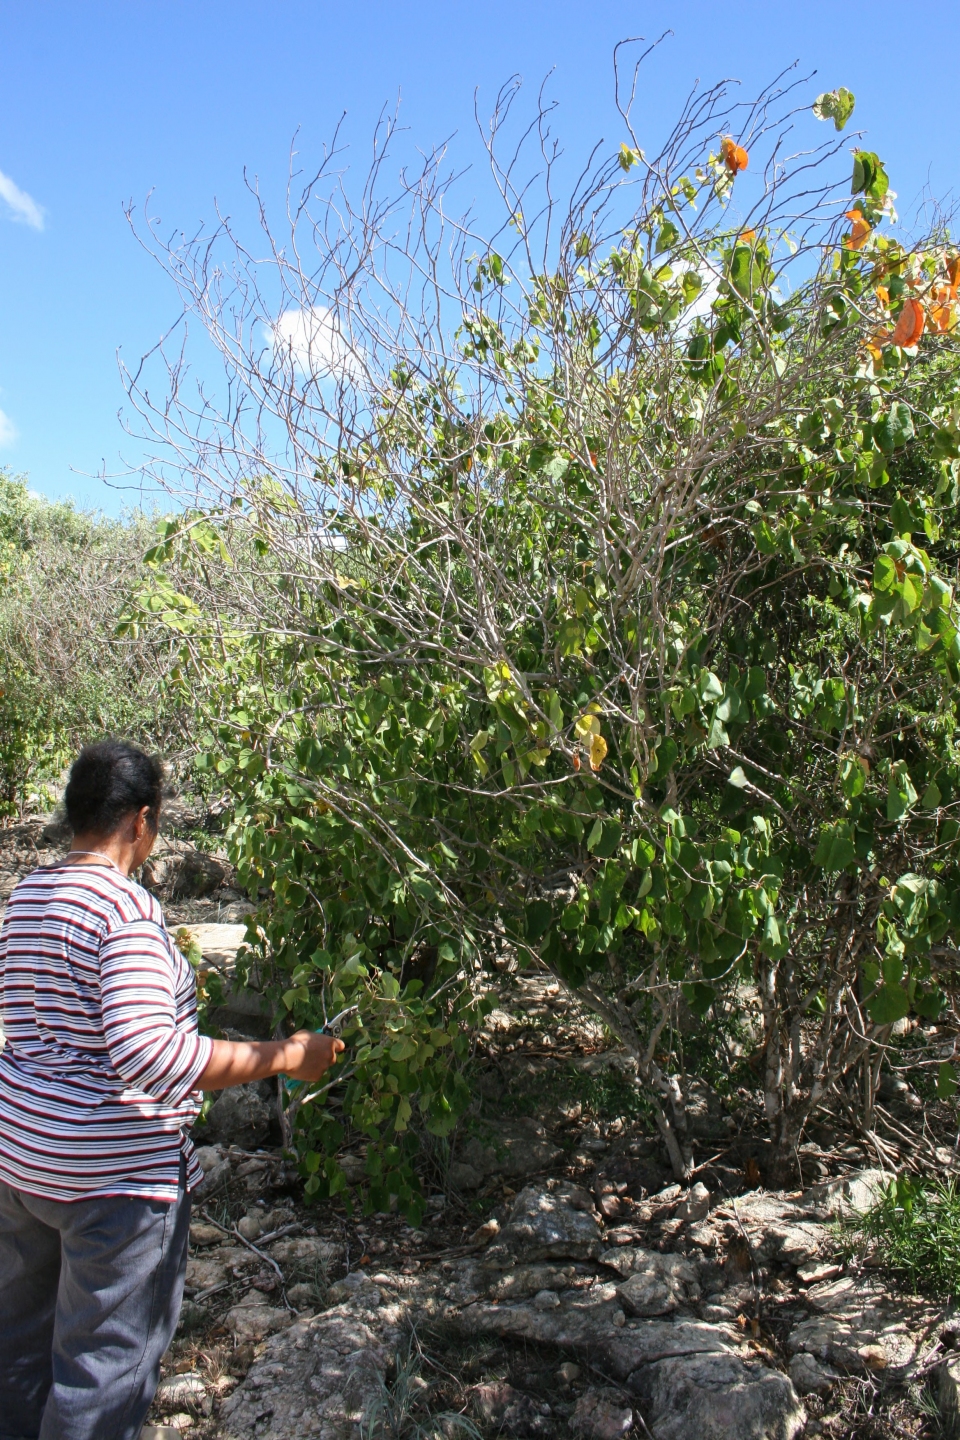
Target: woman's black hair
(109, 781)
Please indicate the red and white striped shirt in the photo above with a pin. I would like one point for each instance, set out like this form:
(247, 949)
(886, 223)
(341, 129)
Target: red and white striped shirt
(99, 1071)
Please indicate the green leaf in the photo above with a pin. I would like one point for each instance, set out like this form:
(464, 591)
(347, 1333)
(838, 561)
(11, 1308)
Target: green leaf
(729, 707)
(668, 237)
(709, 686)
(946, 1082)
(738, 778)
(538, 917)
(717, 735)
(889, 1004)
(835, 848)
(604, 839)
(869, 176)
(673, 919)
(902, 518)
(699, 997)
(756, 683)
(894, 429)
(901, 795)
(771, 934)
(884, 573)
(931, 796)
(836, 105)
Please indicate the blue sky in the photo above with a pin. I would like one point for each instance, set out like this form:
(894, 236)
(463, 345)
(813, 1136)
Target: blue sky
(106, 102)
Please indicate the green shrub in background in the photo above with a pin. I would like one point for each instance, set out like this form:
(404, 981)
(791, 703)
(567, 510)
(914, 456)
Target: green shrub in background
(65, 675)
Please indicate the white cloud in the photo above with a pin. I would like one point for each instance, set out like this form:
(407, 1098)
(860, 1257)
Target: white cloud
(8, 431)
(22, 205)
(312, 342)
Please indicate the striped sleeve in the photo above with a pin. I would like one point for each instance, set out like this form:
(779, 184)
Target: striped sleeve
(139, 1007)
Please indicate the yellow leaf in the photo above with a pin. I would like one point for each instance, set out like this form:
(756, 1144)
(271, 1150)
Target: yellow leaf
(598, 751)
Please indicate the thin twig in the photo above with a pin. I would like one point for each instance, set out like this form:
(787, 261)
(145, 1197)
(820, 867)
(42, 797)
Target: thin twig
(267, 1259)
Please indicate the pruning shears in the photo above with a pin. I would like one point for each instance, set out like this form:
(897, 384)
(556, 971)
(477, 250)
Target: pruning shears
(334, 1027)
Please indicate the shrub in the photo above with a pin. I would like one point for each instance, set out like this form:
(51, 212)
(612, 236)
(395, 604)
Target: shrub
(605, 618)
(65, 677)
(913, 1231)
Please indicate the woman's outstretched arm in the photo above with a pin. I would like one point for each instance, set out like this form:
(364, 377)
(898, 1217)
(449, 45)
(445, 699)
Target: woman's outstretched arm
(304, 1056)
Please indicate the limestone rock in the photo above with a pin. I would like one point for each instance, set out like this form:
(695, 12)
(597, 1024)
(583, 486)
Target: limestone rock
(193, 1317)
(553, 1222)
(486, 1232)
(695, 1206)
(303, 1296)
(546, 1300)
(946, 1380)
(254, 1322)
(464, 1177)
(717, 1397)
(307, 1248)
(177, 871)
(216, 1171)
(517, 1148)
(776, 1226)
(183, 1392)
(498, 1403)
(320, 1378)
(857, 1191)
(859, 1327)
(525, 1280)
(694, 1381)
(239, 1117)
(797, 1244)
(204, 1234)
(601, 1415)
(358, 1288)
(206, 1271)
(809, 1376)
(658, 1284)
(219, 943)
(57, 831)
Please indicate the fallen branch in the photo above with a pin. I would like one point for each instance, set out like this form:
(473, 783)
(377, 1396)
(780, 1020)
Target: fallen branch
(267, 1259)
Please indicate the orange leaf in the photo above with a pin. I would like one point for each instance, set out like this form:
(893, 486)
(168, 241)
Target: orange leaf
(576, 762)
(860, 232)
(953, 270)
(942, 308)
(746, 237)
(909, 326)
(883, 294)
(734, 156)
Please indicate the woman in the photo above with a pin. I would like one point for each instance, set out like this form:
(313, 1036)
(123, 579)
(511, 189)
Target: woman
(100, 1081)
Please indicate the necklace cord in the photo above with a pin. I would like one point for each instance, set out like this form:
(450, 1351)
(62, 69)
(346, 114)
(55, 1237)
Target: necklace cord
(100, 853)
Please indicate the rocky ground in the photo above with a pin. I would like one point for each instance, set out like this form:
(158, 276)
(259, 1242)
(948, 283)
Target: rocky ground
(559, 1284)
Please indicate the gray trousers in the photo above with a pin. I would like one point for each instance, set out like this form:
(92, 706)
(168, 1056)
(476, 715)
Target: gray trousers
(90, 1295)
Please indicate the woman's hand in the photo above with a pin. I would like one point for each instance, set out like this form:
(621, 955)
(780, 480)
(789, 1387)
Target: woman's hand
(318, 1053)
